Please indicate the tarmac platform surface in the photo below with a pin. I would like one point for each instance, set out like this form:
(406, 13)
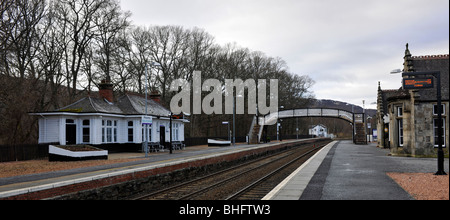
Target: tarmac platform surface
(344, 171)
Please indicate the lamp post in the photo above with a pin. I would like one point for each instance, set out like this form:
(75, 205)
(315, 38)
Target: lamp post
(234, 121)
(146, 112)
(146, 106)
(228, 131)
(234, 118)
(364, 120)
(170, 135)
(421, 84)
(278, 124)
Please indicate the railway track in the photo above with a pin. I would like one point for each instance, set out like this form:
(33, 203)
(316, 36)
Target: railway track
(251, 180)
(259, 188)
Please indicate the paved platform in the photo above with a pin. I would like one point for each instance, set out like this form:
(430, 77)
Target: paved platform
(344, 171)
(293, 186)
(340, 171)
(26, 184)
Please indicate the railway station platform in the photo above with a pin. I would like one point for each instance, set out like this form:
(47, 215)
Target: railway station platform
(339, 171)
(344, 171)
(54, 184)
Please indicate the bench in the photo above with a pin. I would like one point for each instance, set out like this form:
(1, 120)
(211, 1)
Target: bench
(178, 145)
(155, 147)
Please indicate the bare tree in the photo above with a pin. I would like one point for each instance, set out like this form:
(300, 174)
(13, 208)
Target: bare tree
(168, 47)
(201, 52)
(78, 42)
(6, 26)
(139, 56)
(22, 33)
(121, 59)
(110, 21)
(20, 24)
(75, 20)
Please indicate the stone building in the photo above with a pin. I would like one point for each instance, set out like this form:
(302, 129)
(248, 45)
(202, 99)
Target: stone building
(407, 119)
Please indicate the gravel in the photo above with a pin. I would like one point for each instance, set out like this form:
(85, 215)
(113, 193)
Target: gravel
(423, 186)
(10, 169)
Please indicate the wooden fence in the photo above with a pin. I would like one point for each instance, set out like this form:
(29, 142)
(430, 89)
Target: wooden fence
(22, 152)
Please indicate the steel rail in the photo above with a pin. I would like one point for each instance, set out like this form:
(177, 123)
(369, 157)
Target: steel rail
(166, 190)
(262, 179)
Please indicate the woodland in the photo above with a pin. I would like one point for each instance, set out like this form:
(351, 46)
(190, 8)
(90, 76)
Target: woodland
(53, 53)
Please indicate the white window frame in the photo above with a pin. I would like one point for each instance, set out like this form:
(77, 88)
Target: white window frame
(149, 135)
(400, 132)
(130, 128)
(109, 131)
(399, 111)
(83, 126)
(435, 107)
(435, 132)
(175, 131)
(400, 126)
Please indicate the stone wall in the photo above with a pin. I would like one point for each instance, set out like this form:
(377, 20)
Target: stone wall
(418, 129)
(360, 136)
(424, 129)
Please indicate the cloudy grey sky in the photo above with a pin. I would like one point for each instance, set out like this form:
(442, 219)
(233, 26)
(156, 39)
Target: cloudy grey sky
(346, 46)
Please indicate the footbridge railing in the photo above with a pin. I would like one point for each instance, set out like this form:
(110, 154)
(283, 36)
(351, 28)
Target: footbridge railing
(272, 118)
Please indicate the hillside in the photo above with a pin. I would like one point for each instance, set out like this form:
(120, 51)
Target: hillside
(326, 103)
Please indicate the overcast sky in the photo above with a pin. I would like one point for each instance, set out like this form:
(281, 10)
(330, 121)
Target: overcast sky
(346, 46)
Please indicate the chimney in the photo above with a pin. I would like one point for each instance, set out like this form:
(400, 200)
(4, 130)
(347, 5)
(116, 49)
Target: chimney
(155, 96)
(106, 90)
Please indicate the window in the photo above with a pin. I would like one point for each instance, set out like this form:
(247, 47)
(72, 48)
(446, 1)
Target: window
(175, 131)
(400, 132)
(86, 131)
(149, 134)
(130, 131)
(109, 131)
(115, 131)
(103, 131)
(400, 125)
(399, 111)
(435, 109)
(435, 125)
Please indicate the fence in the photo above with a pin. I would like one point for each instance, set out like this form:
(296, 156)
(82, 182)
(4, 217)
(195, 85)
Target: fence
(22, 152)
(194, 141)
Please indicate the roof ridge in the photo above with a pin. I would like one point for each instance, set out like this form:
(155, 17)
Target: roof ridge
(92, 104)
(431, 57)
(130, 101)
(67, 106)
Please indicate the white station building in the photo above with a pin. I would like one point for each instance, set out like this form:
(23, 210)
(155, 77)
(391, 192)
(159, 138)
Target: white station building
(105, 121)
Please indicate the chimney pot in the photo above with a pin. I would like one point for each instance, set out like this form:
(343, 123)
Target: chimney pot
(155, 96)
(106, 90)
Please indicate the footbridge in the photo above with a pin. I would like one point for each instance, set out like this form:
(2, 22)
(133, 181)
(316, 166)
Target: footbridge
(356, 119)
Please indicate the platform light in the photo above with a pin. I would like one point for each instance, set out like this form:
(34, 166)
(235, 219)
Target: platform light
(396, 71)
